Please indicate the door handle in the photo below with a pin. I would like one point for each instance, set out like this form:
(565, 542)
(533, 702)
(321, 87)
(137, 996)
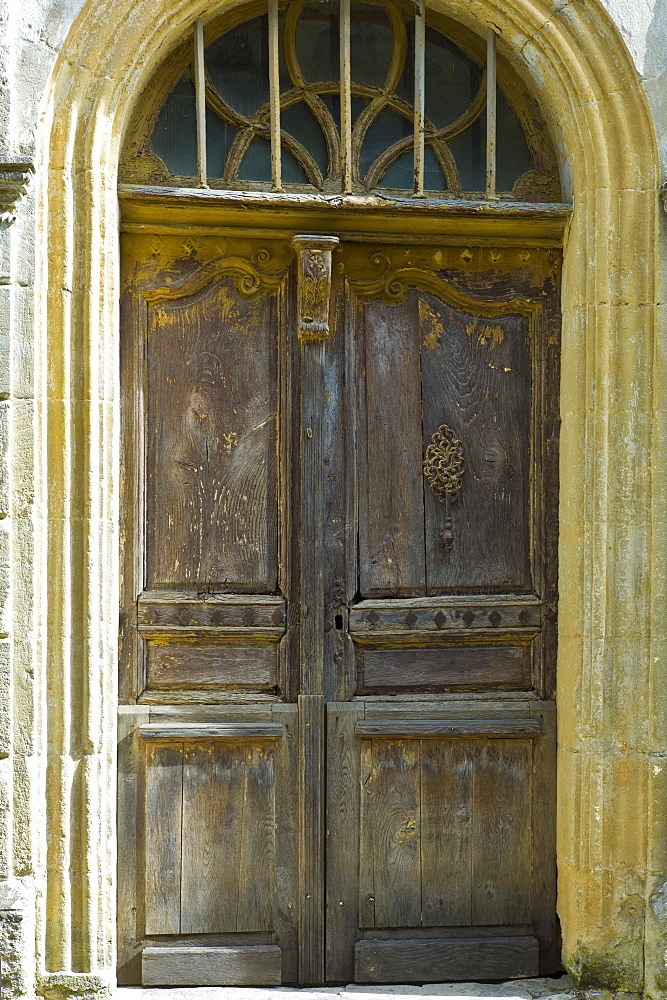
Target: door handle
(444, 466)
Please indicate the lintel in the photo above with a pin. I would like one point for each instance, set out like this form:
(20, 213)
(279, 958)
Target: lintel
(456, 221)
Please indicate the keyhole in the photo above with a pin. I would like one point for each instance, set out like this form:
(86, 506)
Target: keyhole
(339, 622)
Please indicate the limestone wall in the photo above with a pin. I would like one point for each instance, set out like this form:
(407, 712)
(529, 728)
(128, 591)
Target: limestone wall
(56, 640)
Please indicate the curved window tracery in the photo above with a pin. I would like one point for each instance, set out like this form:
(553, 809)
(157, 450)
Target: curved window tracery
(380, 65)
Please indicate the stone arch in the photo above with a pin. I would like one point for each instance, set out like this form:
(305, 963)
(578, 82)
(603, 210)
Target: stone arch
(613, 653)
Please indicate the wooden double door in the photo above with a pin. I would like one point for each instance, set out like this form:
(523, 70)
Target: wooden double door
(337, 718)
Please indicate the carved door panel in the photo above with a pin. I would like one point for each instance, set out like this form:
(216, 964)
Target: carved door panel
(339, 535)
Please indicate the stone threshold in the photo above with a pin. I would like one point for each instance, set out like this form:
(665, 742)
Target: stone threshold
(557, 988)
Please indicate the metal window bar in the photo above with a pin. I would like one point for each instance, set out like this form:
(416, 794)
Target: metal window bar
(345, 96)
(420, 47)
(274, 97)
(491, 121)
(200, 96)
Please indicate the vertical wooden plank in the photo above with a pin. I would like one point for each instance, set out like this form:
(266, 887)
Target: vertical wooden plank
(311, 839)
(287, 888)
(367, 854)
(212, 409)
(342, 843)
(163, 825)
(477, 379)
(213, 786)
(257, 856)
(337, 652)
(543, 886)
(132, 481)
(446, 808)
(397, 833)
(200, 92)
(502, 829)
(130, 909)
(391, 561)
(312, 518)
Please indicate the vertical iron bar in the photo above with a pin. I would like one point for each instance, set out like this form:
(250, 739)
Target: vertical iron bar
(420, 46)
(491, 91)
(345, 96)
(274, 97)
(200, 92)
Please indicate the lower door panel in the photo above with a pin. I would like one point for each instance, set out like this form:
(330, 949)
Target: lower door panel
(440, 863)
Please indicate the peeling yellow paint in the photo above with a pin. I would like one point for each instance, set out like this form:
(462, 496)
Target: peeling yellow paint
(430, 324)
(486, 334)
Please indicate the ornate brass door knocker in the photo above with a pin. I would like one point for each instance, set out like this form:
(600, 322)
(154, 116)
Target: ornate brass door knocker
(443, 468)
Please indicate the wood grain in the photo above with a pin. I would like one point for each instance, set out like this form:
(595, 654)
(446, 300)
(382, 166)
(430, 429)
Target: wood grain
(430, 668)
(188, 730)
(477, 379)
(417, 728)
(446, 815)
(419, 961)
(163, 830)
(502, 857)
(257, 855)
(391, 500)
(396, 833)
(214, 665)
(342, 845)
(213, 786)
(286, 892)
(211, 441)
(254, 965)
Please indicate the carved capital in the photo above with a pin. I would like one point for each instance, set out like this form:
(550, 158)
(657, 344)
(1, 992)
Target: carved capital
(14, 180)
(313, 291)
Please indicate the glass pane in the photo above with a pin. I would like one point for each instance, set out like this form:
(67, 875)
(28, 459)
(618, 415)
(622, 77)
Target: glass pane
(386, 129)
(238, 64)
(513, 155)
(256, 165)
(174, 137)
(434, 179)
(318, 41)
(300, 122)
(219, 139)
(292, 171)
(371, 44)
(469, 152)
(332, 102)
(452, 79)
(401, 173)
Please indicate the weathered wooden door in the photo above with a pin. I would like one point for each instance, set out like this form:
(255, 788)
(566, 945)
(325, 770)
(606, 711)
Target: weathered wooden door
(337, 738)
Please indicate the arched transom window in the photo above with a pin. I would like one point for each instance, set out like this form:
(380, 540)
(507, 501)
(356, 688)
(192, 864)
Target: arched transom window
(336, 97)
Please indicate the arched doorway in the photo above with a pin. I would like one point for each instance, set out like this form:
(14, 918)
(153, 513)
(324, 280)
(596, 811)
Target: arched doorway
(340, 510)
(577, 60)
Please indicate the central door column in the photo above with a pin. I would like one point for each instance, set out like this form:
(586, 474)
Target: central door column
(312, 318)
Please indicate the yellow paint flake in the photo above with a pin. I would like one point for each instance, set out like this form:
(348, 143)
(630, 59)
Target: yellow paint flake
(430, 323)
(486, 334)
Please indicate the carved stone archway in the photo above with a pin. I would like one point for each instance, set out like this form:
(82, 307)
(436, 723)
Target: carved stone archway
(613, 649)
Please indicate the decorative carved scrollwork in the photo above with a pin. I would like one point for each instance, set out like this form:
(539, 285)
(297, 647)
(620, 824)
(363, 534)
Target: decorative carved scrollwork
(444, 466)
(313, 285)
(14, 181)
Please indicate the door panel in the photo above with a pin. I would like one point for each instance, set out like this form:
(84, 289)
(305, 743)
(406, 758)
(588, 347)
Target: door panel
(212, 409)
(338, 742)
